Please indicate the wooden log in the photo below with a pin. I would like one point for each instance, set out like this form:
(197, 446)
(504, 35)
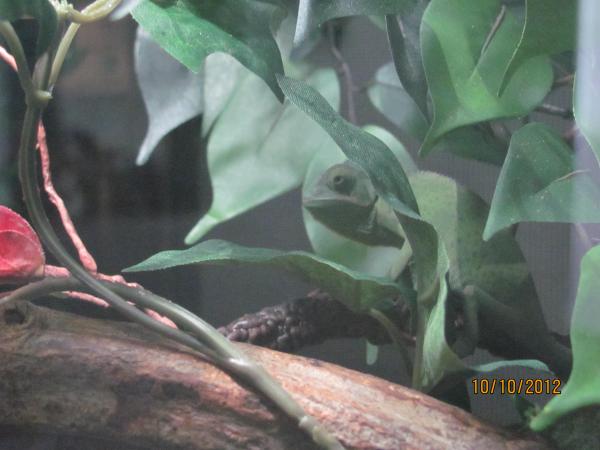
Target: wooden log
(113, 380)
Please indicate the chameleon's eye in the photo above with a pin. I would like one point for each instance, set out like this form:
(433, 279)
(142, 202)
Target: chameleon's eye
(342, 184)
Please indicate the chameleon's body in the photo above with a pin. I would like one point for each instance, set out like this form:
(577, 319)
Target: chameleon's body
(491, 275)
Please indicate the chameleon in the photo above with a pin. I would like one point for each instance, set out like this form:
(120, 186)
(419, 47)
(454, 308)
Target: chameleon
(489, 279)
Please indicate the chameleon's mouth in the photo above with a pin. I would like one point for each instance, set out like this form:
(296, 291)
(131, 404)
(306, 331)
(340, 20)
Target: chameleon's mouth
(332, 202)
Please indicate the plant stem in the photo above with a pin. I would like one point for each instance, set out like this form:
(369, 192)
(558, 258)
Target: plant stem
(400, 340)
(422, 318)
(221, 351)
(61, 52)
(18, 53)
(91, 13)
(93, 10)
(216, 347)
(345, 74)
(27, 174)
(235, 360)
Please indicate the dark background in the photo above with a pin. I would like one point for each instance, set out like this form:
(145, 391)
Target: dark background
(126, 213)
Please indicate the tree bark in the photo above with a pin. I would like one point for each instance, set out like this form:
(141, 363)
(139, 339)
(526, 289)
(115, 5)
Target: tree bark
(66, 374)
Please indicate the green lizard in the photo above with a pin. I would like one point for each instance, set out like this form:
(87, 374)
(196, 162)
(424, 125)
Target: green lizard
(490, 279)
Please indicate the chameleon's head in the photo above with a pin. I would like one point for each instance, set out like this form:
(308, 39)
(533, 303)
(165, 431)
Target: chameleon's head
(343, 193)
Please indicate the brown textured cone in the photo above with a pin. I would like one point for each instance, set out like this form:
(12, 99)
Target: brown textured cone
(67, 374)
(306, 321)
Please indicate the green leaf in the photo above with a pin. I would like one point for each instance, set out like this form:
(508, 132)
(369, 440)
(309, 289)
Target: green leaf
(406, 161)
(358, 291)
(379, 22)
(221, 76)
(376, 261)
(438, 358)
(550, 28)
(312, 13)
(190, 30)
(539, 183)
(124, 9)
(533, 364)
(462, 68)
(585, 104)
(389, 96)
(259, 148)
(403, 36)
(172, 93)
(41, 10)
(586, 95)
(473, 142)
(583, 387)
(223, 72)
(496, 267)
(371, 354)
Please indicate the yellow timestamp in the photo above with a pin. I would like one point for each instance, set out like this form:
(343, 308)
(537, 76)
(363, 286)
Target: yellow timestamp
(512, 386)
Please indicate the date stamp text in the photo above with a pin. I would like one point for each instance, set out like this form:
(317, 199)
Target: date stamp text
(512, 386)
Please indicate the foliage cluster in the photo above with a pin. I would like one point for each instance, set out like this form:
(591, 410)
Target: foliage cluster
(460, 73)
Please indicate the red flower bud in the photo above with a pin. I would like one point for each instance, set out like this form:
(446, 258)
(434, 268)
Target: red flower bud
(21, 253)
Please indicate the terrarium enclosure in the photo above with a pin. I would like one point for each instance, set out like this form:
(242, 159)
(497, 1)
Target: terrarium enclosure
(405, 188)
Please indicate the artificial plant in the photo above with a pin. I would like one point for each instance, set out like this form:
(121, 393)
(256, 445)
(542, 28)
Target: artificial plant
(463, 77)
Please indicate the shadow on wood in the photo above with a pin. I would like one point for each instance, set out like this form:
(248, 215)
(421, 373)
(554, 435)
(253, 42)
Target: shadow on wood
(66, 374)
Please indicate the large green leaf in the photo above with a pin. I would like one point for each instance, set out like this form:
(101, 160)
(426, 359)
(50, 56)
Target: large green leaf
(586, 101)
(438, 358)
(171, 92)
(192, 29)
(473, 142)
(259, 148)
(312, 13)
(358, 291)
(221, 76)
(325, 242)
(586, 95)
(550, 28)
(539, 183)
(403, 36)
(41, 10)
(496, 267)
(461, 56)
(583, 387)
